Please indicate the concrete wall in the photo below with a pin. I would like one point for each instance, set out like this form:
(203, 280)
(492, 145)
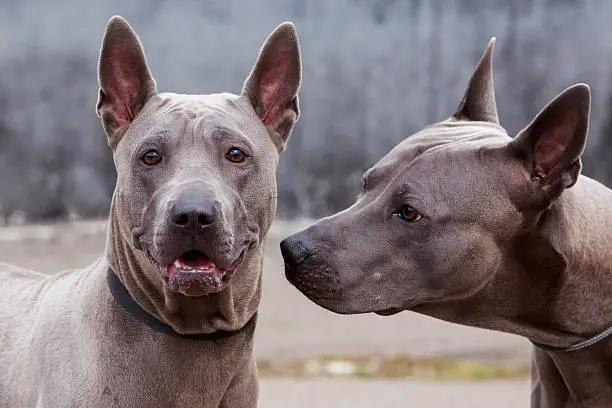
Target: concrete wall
(374, 72)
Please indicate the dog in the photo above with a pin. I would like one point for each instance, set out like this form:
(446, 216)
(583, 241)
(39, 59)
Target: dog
(466, 224)
(166, 317)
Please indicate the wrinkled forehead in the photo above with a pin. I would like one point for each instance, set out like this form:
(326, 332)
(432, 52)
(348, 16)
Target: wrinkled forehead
(447, 167)
(193, 116)
(439, 143)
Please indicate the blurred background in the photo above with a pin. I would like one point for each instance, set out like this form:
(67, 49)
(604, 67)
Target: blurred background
(375, 71)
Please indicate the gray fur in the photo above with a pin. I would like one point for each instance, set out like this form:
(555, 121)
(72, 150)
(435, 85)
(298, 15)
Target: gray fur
(511, 238)
(64, 341)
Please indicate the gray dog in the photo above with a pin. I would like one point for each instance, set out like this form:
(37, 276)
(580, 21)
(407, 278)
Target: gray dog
(463, 223)
(166, 317)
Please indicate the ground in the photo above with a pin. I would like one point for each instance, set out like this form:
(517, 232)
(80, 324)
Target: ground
(310, 357)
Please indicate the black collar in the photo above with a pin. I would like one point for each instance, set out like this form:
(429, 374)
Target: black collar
(125, 301)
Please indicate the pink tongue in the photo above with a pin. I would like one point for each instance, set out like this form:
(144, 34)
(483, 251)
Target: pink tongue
(195, 259)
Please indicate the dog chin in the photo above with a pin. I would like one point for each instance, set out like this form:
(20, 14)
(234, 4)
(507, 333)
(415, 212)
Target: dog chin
(326, 293)
(191, 282)
(346, 308)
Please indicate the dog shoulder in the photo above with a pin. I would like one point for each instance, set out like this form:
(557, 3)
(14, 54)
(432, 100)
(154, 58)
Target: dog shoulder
(8, 271)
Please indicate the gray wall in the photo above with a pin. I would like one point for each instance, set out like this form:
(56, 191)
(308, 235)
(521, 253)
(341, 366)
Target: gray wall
(374, 72)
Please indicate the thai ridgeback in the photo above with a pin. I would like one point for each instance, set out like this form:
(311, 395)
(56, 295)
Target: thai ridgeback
(165, 318)
(466, 224)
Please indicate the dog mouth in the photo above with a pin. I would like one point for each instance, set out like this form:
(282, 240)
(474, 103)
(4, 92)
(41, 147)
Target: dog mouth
(195, 274)
(196, 262)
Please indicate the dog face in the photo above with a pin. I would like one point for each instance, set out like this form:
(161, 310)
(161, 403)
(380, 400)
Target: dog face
(437, 215)
(196, 187)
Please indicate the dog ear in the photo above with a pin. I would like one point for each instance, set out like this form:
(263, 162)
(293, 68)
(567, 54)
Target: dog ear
(124, 77)
(553, 142)
(478, 103)
(273, 84)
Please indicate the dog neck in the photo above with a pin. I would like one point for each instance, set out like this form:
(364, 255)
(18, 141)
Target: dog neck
(229, 310)
(575, 290)
(553, 284)
(578, 378)
(561, 272)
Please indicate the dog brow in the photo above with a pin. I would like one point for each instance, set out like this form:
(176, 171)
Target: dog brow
(222, 133)
(157, 136)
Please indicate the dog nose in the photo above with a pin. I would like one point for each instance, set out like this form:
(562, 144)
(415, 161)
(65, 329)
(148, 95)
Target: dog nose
(188, 214)
(294, 250)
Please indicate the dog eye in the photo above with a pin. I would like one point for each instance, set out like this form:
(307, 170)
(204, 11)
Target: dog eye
(236, 155)
(151, 158)
(409, 214)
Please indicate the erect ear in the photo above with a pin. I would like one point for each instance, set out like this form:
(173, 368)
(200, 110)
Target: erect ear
(124, 77)
(273, 84)
(553, 142)
(478, 103)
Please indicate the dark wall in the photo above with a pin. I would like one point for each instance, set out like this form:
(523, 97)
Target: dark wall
(374, 72)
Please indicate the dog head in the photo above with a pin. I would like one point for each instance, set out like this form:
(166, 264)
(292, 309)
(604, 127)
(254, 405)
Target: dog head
(196, 187)
(439, 213)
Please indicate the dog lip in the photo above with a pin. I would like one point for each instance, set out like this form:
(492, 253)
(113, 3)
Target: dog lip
(388, 312)
(197, 262)
(206, 265)
(193, 261)
(238, 260)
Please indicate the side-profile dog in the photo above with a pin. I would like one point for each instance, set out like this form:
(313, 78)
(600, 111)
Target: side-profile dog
(463, 223)
(166, 317)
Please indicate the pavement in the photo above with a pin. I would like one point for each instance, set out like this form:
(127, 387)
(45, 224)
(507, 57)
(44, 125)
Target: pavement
(392, 394)
(291, 327)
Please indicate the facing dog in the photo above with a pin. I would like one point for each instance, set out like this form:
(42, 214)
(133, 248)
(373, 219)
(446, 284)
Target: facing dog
(463, 223)
(166, 317)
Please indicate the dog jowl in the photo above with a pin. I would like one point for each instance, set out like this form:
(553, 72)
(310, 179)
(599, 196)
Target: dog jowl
(464, 223)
